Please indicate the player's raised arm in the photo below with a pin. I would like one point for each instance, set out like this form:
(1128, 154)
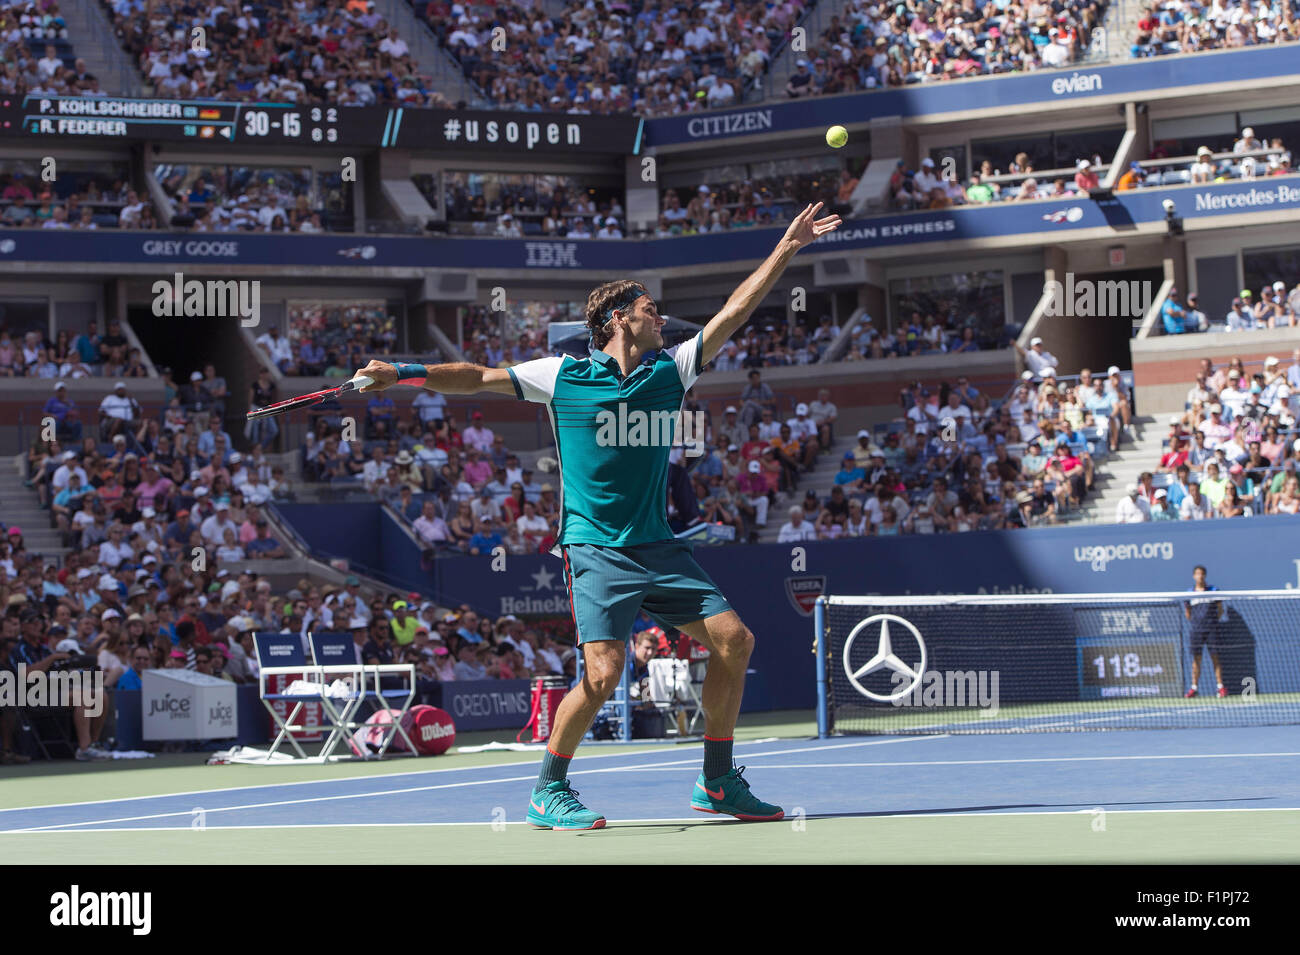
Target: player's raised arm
(456, 378)
(805, 228)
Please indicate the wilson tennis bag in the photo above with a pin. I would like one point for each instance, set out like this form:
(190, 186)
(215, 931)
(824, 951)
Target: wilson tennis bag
(431, 730)
(548, 691)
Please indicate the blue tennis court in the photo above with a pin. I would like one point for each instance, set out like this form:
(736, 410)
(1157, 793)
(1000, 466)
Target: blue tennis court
(1219, 770)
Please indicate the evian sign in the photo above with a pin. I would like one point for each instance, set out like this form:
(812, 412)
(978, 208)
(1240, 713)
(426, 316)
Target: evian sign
(1076, 83)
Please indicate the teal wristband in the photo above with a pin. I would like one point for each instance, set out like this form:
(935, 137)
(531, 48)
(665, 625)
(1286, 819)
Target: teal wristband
(410, 373)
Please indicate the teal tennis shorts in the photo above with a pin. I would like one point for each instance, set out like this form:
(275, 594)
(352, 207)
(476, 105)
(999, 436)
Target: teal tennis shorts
(609, 585)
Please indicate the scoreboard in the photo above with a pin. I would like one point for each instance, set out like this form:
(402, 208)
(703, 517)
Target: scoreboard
(171, 120)
(225, 124)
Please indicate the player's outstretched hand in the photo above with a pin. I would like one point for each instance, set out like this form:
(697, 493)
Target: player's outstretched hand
(385, 375)
(806, 227)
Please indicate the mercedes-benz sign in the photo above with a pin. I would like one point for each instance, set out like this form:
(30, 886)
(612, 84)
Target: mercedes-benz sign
(884, 657)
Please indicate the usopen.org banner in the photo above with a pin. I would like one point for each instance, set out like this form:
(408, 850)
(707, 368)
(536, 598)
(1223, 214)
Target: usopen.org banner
(1037, 222)
(1142, 79)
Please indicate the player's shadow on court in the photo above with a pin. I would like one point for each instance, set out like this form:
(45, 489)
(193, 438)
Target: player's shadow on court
(1081, 806)
(642, 828)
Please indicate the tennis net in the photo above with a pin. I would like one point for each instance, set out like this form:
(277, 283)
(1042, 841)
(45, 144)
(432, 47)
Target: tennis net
(1056, 662)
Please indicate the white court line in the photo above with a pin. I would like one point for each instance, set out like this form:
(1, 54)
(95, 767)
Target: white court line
(1103, 719)
(676, 748)
(697, 820)
(416, 789)
(984, 762)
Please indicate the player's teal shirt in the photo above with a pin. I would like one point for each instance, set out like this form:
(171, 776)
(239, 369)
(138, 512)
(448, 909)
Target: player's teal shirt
(614, 435)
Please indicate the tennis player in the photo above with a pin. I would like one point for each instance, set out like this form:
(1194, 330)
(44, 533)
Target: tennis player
(619, 554)
(1204, 615)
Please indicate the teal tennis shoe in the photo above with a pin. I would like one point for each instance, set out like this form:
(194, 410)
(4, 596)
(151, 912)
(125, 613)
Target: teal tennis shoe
(730, 795)
(556, 806)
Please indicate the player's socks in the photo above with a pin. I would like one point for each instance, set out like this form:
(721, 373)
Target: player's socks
(717, 756)
(554, 768)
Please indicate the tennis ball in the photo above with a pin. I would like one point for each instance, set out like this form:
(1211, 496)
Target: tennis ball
(837, 136)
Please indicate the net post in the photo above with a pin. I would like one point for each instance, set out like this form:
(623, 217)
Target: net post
(819, 648)
(625, 705)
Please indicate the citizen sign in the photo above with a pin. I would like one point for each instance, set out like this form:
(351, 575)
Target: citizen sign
(732, 124)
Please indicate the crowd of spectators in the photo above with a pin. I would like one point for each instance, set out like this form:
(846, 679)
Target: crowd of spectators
(246, 199)
(956, 461)
(330, 339)
(765, 342)
(752, 202)
(462, 491)
(1274, 307)
(482, 343)
(31, 354)
(656, 58)
(1245, 158)
(1231, 453)
(117, 462)
(458, 645)
(156, 514)
(874, 45)
(332, 53)
(74, 201)
(514, 205)
(1180, 26)
(127, 610)
(37, 53)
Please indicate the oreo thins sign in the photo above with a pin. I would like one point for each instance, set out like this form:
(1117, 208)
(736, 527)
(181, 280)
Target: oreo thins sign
(804, 591)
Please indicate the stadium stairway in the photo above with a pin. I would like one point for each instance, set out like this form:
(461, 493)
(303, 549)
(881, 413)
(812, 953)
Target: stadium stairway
(815, 22)
(820, 479)
(1121, 27)
(432, 59)
(20, 507)
(93, 39)
(1135, 455)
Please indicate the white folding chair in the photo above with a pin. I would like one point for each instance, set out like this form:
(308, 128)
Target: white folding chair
(282, 654)
(335, 658)
(372, 682)
(674, 689)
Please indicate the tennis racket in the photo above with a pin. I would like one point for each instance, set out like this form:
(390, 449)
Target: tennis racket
(304, 401)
